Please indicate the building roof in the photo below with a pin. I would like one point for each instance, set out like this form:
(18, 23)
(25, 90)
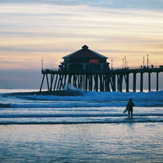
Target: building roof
(85, 52)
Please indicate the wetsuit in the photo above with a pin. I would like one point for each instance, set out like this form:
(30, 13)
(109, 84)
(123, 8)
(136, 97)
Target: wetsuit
(130, 108)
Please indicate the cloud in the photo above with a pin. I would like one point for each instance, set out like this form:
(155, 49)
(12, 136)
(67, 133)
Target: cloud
(119, 4)
(51, 31)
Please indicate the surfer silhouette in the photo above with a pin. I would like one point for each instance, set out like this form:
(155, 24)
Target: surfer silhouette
(129, 108)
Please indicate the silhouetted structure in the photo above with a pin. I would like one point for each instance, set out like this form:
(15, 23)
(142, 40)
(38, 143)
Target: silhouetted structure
(84, 61)
(89, 71)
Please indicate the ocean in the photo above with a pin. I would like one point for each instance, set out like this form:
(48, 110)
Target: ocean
(78, 126)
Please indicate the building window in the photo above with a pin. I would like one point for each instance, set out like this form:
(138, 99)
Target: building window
(93, 61)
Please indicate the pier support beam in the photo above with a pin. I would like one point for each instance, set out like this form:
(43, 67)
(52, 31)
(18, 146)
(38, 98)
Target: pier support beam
(157, 81)
(113, 82)
(149, 81)
(127, 82)
(120, 81)
(96, 83)
(42, 82)
(47, 80)
(55, 84)
(86, 82)
(90, 82)
(51, 81)
(134, 82)
(101, 83)
(141, 82)
(107, 82)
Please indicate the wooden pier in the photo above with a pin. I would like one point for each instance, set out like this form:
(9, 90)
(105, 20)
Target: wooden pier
(112, 80)
(88, 70)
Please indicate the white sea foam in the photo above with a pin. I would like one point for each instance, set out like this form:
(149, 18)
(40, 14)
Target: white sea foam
(86, 99)
(92, 99)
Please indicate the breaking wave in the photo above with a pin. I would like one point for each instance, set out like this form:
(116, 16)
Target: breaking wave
(79, 120)
(78, 98)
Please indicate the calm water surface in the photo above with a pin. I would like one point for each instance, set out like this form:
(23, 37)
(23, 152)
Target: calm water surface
(129, 142)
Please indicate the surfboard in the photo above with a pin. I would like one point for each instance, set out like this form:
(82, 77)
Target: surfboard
(125, 110)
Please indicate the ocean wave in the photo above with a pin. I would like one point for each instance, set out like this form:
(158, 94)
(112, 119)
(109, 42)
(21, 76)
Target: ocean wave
(83, 121)
(58, 115)
(98, 96)
(83, 99)
(73, 104)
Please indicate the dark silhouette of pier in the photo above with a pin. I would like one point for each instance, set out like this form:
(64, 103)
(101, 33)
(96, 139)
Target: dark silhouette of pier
(113, 80)
(89, 71)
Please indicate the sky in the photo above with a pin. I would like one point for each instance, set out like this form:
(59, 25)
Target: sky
(36, 30)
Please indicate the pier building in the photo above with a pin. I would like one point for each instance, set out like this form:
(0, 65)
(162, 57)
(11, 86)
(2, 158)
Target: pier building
(84, 61)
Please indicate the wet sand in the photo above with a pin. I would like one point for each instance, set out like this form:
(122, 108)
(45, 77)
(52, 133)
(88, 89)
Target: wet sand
(138, 142)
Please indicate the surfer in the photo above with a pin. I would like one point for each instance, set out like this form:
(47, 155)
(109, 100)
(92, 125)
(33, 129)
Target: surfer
(129, 108)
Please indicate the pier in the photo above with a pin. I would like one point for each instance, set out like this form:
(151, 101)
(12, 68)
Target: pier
(88, 70)
(113, 80)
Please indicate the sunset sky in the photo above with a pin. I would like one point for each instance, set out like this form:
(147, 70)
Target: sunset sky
(35, 30)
